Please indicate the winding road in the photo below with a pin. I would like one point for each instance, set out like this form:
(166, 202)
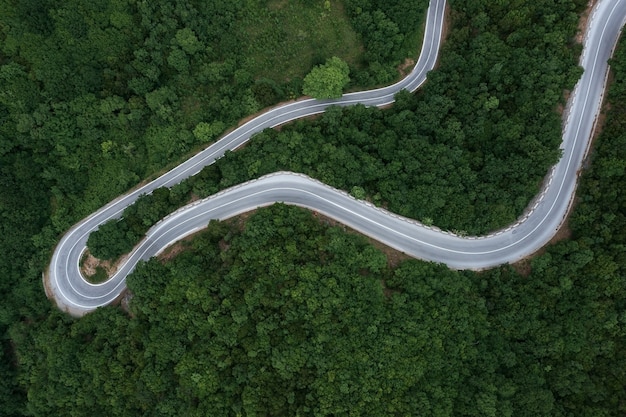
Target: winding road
(66, 286)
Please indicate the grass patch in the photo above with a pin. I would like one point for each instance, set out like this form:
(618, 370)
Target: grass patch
(100, 276)
(285, 39)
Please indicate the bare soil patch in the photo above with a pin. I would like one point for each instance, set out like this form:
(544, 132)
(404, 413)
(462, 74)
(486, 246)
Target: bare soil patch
(46, 284)
(309, 118)
(445, 30)
(523, 267)
(584, 20)
(126, 298)
(172, 251)
(240, 221)
(601, 119)
(92, 268)
(405, 68)
(277, 5)
(394, 256)
(560, 108)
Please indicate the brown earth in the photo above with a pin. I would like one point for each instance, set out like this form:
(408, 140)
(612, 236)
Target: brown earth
(584, 19)
(89, 263)
(405, 68)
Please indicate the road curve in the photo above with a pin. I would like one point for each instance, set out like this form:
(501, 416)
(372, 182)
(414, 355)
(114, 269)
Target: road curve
(74, 295)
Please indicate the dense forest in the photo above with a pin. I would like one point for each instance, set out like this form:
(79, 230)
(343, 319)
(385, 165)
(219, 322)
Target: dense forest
(279, 313)
(97, 95)
(467, 153)
(283, 314)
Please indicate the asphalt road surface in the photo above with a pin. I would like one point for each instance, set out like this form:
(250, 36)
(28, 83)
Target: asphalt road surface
(66, 286)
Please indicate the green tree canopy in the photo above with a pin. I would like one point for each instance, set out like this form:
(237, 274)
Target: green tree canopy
(327, 80)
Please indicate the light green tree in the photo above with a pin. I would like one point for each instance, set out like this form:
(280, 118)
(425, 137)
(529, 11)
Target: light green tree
(205, 132)
(358, 192)
(187, 39)
(327, 80)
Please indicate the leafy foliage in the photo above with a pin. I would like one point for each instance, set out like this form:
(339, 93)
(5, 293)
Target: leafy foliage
(95, 96)
(328, 80)
(289, 315)
(467, 153)
(292, 317)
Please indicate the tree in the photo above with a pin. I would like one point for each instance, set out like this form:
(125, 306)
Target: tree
(187, 40)
(110, 240)
(205, 132)
(327, 80)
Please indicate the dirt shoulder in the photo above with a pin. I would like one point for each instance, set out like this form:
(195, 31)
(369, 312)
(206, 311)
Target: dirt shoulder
(96, 270)
(584, 21)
